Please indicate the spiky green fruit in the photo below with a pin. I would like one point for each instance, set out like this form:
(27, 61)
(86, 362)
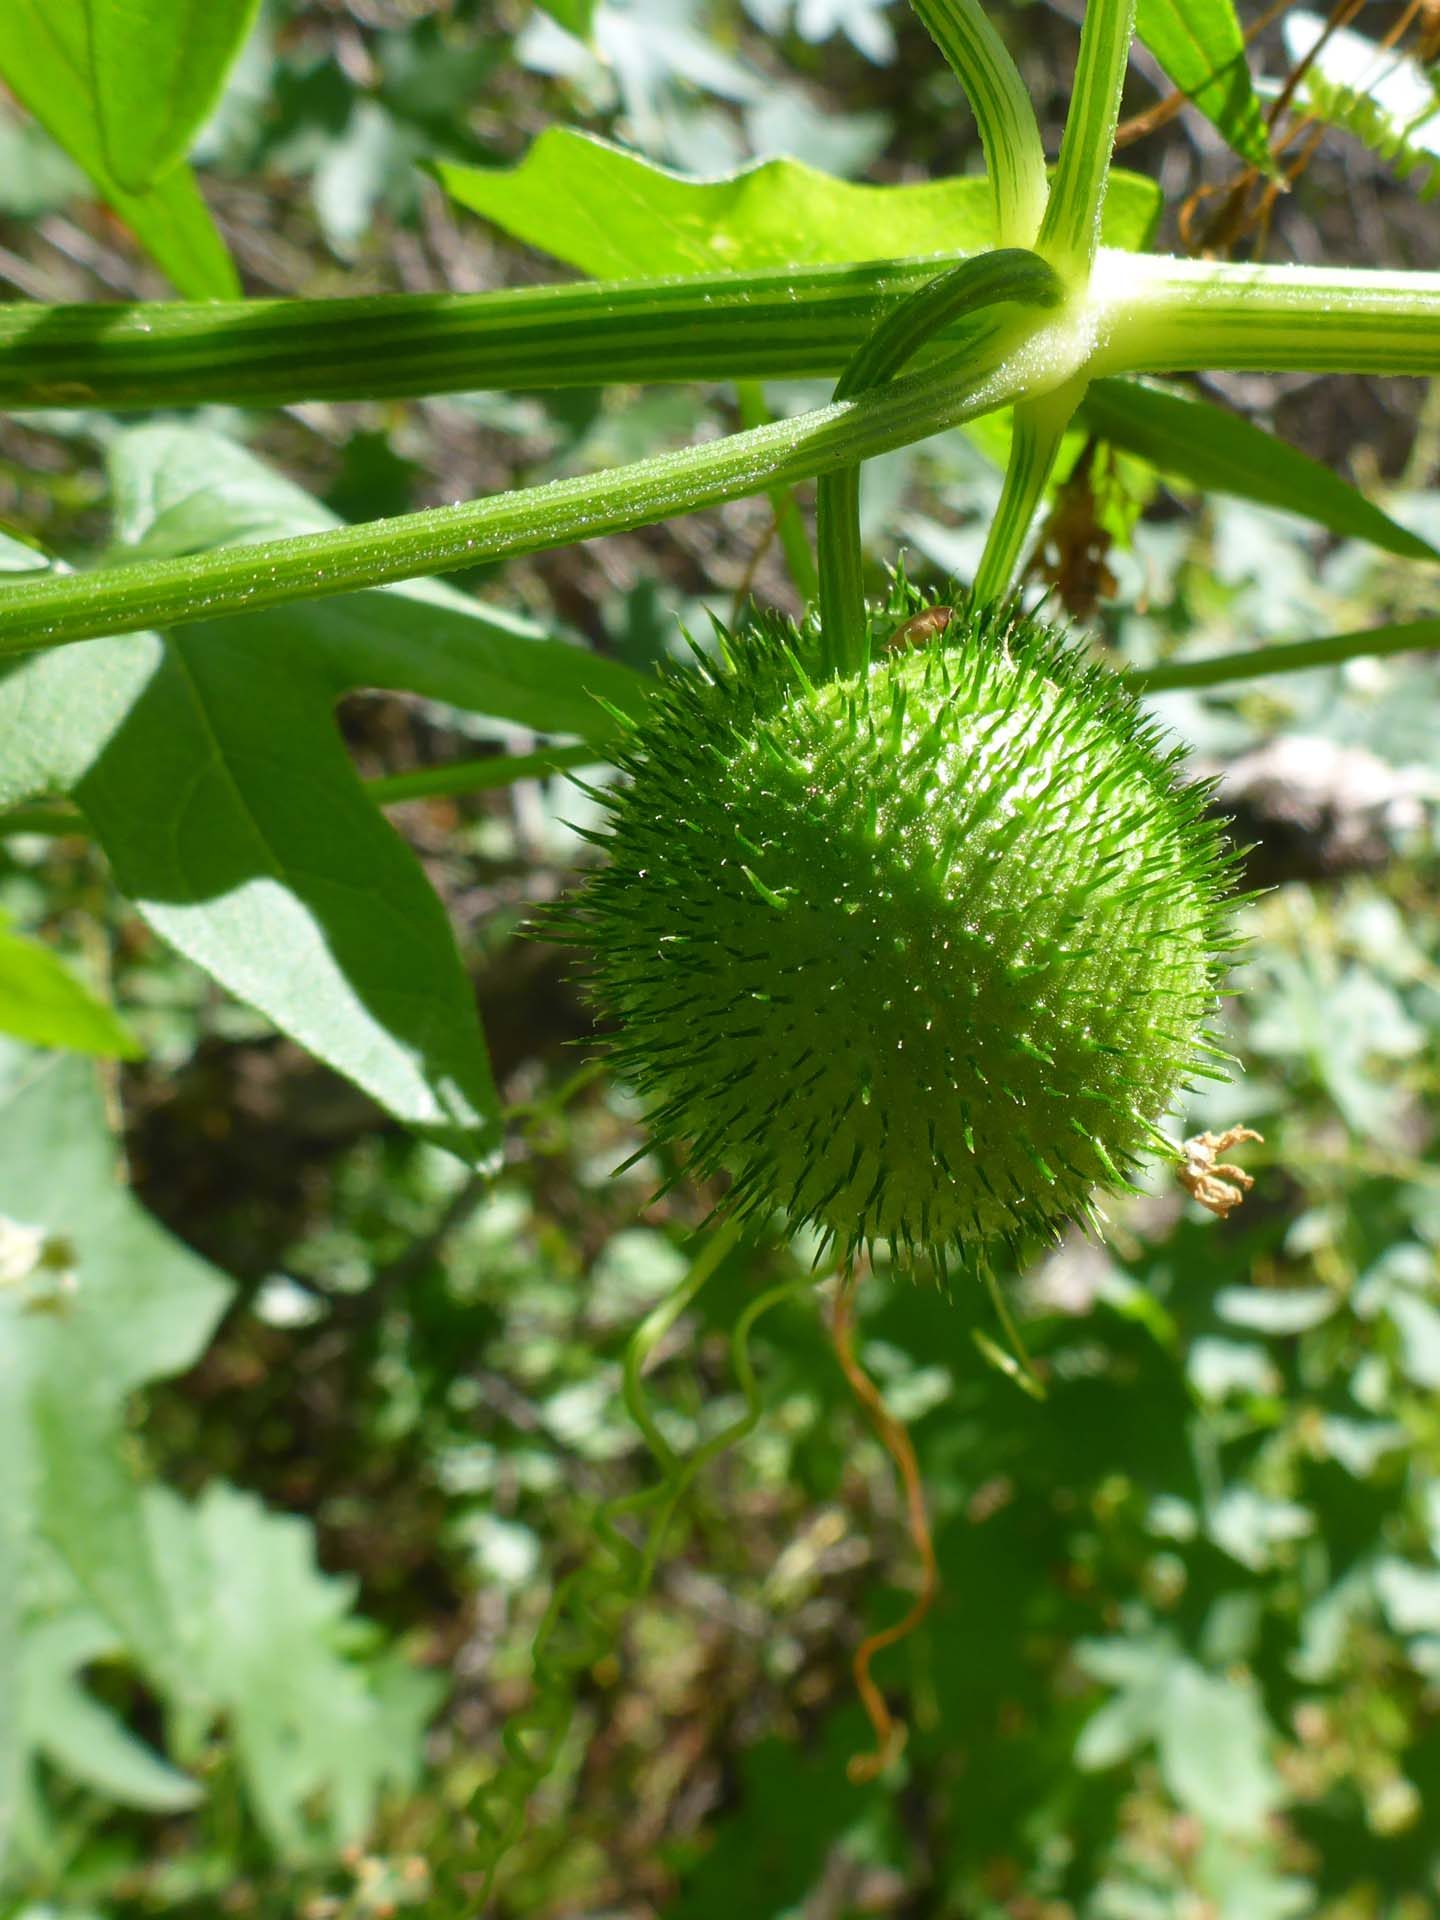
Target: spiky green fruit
(920, 955)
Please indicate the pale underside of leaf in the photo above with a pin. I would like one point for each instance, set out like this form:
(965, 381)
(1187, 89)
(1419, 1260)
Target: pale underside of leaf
(212, 774)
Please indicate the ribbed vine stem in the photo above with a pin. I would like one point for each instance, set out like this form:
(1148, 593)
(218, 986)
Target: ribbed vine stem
(1153, 314)
(773, 323)
(1070, 231)
(1006, 275)
(1142, 313)
(56, 609)
(1159, 315)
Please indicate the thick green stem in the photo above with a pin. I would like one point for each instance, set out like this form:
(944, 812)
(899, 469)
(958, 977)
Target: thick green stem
(1144, 313)
(842, 573)
(1009, 133)
(1009, 274)
(775, 323)
(162, 593)
(1070, 231)
(1153, 314)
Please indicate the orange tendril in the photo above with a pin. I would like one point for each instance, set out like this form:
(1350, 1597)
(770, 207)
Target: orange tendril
(893, 1436)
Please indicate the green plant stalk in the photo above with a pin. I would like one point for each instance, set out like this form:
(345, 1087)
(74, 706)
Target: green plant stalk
(1039, 429)
(1004, 115)
(1153, 314)
(1008, 274)
(1290, 656)
(842, 570)
(1070, 231)
(772, 323)
(162, 593)
(52, 823)
(653, 1329)
(743, 1367)
(480, 775)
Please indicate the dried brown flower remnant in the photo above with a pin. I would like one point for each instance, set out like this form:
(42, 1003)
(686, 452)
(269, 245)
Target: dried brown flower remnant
(1213, 1182)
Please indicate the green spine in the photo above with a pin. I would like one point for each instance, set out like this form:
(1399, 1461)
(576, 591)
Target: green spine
(920, 955)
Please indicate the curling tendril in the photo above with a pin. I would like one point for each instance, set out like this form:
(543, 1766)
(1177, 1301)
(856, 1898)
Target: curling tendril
(588, 1608)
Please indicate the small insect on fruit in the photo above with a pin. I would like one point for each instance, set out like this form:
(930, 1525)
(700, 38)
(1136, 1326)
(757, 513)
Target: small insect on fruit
(920, 629)
(918, 954)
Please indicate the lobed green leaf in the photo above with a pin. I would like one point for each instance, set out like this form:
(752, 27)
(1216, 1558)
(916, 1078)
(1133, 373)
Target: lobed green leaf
(319, 1733)
(142, 1307)
(60, 1719)
(220, 1604)
(779, 213)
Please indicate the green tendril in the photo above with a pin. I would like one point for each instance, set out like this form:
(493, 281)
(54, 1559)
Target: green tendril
(588, 1609)
(1016, 1364)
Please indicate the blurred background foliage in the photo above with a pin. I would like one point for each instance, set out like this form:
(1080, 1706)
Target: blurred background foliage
(1186, 1656)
